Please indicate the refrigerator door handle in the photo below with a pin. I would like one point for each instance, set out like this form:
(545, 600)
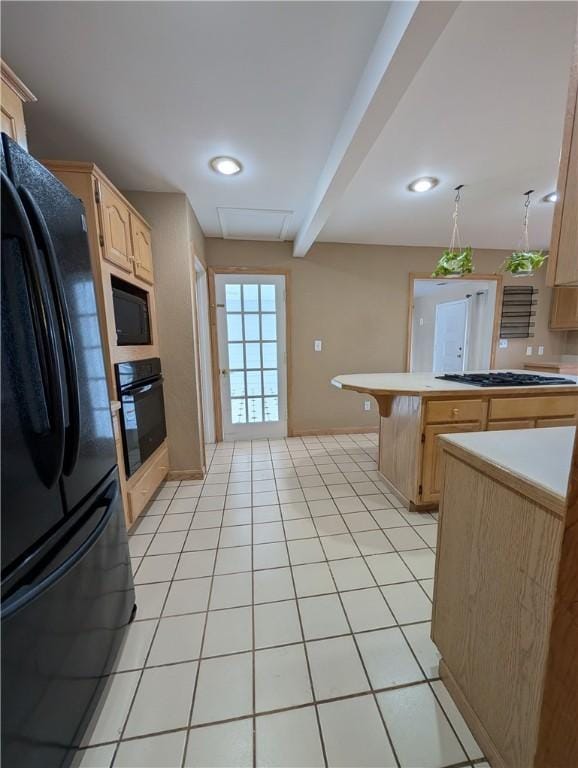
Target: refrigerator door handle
(46, 245)
(45, 337)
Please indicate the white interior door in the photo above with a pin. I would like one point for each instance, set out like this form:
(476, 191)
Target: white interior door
(202, 306)
(252, 355)
(450, 336)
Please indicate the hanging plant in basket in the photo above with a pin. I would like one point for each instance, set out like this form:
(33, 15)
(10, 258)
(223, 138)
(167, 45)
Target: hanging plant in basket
(524, 262)
(455, 261)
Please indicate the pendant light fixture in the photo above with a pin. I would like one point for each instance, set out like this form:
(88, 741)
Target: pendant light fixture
(523, 262)
(455, 260)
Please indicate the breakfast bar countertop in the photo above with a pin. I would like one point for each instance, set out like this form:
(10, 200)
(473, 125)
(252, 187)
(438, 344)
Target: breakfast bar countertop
(534, 460)
(427, 384)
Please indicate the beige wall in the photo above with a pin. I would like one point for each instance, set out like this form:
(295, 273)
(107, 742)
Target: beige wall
(355, 299)
(174, 227)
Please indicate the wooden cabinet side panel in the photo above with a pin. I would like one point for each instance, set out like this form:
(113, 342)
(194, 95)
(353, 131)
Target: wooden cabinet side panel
(495, 582)
(399, 445)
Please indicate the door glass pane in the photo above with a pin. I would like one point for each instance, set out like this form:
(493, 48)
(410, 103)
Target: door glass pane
(270, 355)
(237, 383)
(270, 382)
(253, 383)
(271, 408)
(251, 327)
(269, 327)
(255, 409)
(233, 298)
(234, 328)
(238, 412)
(253, 355)
(268, 298)
(250, 298)
(235, 356)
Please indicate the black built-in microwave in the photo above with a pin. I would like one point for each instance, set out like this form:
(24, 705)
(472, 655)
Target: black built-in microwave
(131, 314)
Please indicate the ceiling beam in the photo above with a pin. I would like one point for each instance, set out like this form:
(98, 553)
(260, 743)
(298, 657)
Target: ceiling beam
(410, 31)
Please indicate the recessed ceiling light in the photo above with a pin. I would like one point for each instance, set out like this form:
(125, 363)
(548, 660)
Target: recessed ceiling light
(551, 198)
(227, 166)
(424, 184)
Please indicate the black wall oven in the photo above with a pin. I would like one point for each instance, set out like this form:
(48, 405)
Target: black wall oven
(140, 387)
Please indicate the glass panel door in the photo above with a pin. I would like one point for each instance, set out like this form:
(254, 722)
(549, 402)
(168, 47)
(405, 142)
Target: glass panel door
(252, 355)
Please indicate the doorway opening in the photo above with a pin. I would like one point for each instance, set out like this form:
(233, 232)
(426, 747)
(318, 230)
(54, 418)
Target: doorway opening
(453, 323)
(249, 354)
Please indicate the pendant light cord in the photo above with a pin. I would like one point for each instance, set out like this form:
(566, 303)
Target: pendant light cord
(456, 230)
(525, 239)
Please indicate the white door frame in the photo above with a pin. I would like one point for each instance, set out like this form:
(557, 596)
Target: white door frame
(446, 304)
(219, 277)
(203, 325)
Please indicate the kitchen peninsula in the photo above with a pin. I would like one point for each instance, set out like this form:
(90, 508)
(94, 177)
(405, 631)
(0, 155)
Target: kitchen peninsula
(415, 408)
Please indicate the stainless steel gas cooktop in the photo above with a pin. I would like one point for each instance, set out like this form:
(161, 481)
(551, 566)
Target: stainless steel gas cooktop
(505, 379)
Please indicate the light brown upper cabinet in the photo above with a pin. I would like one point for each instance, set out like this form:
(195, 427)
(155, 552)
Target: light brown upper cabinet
(14, 95)
(563, 261)
(564, 312)
(116, 241)
(143, 255)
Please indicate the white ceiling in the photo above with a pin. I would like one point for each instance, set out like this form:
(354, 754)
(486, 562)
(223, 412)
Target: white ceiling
(485, 110)
(151, 91)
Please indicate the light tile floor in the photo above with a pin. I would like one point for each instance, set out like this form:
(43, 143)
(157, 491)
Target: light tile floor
(283, 620)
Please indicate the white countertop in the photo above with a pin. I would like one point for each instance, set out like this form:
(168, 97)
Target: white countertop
(424, 383)
(539, 457)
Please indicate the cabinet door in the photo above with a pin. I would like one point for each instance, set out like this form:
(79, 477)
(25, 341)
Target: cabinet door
(115, 219)
(564, 313)
(12, 115)
(431, 457)
(143, 256)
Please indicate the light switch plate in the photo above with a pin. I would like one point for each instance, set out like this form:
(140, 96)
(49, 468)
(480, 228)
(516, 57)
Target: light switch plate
(540, 350)
(503, 344)
(367, 405)
(317, 345)
(529, 351)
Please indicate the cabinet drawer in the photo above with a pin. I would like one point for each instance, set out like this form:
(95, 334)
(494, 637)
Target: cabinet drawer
(142, 490)
(432, 453)
(519, 424)
(560, 422)
(448, 411)
(532, 407)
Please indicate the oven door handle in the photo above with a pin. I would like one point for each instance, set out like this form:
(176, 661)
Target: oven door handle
(140, 388)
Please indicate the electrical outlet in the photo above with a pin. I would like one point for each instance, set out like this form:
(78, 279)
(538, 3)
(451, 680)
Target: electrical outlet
(421, 321)
(529, 351)
(540, 350)
(367, 405)
(317, 345)
(503, 344)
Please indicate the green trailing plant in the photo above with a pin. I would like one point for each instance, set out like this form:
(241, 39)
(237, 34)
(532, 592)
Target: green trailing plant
(524, 262)
(455, 262)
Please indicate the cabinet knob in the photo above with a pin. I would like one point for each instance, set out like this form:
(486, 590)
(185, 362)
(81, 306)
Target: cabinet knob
(455, 411)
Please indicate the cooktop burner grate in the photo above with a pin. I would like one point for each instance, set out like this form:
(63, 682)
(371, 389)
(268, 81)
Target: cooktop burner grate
(505, 379)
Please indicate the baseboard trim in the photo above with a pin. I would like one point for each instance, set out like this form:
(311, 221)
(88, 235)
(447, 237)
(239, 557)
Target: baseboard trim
(475, 725)
(185, 474)
(334, 431)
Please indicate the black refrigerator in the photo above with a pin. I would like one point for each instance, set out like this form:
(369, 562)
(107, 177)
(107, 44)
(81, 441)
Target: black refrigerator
(67, 589)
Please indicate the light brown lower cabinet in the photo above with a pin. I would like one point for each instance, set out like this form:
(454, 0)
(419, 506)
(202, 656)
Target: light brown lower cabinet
(432, 455)
(150, 476)
(564, 310)
(494, 426)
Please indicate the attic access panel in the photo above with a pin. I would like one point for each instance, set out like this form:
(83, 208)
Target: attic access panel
(518, 312)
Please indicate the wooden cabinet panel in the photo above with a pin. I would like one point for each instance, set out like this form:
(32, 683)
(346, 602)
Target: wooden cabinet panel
(563, 261)
(432, 454)
(519, 424)
(143, 255)
(509, 408)
(564, 311)
(454, 410)
(141, 490)
(115, 220)
(561, 422)
(13, 95)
